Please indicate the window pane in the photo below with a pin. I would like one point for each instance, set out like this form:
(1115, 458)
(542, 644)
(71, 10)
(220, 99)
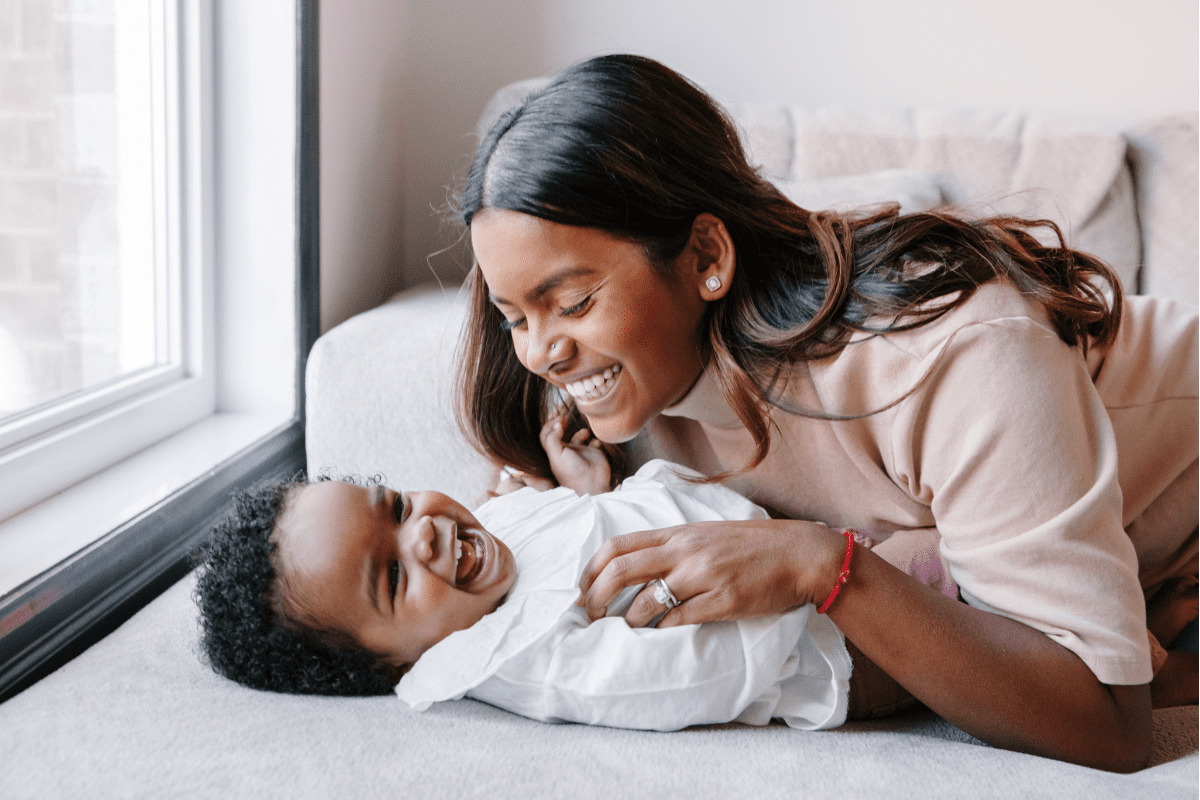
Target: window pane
(81, 294)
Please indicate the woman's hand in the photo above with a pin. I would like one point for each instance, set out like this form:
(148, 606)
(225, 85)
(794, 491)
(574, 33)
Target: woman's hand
(580, 464)
(716, 570)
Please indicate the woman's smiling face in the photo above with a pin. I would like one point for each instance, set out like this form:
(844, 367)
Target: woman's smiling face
(589, 314)
(396, 572)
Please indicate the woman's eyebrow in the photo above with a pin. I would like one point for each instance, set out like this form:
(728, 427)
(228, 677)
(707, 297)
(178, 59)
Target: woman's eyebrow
(548, 285)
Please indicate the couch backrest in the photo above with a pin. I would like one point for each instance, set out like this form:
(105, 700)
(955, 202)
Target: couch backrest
(1163, 154)
(988, 163)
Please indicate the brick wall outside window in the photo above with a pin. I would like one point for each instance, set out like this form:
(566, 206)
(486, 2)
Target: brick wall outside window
(59, 290)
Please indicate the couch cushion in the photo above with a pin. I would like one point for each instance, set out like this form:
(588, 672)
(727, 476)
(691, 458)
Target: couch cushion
(1163, 154)
(1000, 162)
(913, 190)
(379, 398)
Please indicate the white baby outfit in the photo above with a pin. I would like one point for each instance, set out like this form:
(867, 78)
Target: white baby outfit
(537, 656)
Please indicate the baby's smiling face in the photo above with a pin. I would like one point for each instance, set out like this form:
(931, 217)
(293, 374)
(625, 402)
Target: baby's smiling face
(396, 572)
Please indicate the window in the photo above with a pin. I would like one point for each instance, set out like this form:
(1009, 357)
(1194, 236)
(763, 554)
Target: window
(94, 326)
(181, 351)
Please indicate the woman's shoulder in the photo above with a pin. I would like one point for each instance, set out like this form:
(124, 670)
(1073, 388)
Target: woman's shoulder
(997, 302)
(873, 371)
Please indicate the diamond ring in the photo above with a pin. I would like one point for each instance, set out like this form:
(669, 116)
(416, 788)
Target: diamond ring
(662, 593)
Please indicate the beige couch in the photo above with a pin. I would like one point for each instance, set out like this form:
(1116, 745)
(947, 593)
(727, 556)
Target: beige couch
(139, 715)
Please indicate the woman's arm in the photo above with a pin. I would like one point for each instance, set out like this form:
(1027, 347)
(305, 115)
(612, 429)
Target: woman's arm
(995, 678)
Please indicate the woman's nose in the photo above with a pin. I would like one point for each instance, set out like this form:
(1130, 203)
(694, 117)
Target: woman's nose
(545, 348)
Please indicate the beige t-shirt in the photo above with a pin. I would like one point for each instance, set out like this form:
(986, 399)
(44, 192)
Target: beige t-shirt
(1008, 446)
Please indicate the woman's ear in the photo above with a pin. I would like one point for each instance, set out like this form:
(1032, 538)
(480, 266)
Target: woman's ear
(713, 257)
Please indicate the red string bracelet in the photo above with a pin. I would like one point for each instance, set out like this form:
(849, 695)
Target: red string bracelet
(843, 576)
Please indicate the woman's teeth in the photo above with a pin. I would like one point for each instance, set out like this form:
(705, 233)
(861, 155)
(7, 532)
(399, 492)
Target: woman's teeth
(594, 386)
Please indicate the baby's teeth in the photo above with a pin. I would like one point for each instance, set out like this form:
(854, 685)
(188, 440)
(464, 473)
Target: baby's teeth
(457, 551)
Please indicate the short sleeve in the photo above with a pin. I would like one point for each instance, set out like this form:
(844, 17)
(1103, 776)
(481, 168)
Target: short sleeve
(1009, 444)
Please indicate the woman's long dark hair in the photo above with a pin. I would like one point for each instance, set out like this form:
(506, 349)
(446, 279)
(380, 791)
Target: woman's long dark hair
(623, 144)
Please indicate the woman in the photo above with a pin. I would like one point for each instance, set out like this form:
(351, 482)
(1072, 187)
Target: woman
(876, 372)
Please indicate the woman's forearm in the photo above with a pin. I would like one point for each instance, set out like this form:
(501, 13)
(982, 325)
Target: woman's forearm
(995, 678)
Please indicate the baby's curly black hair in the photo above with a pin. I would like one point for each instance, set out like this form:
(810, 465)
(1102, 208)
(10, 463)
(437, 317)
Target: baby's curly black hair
(246, 636)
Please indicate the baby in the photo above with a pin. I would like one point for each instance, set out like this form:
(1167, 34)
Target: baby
(336, 588)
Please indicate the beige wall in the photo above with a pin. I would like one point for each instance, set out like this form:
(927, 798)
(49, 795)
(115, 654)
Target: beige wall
(403, 82)
(365, 84)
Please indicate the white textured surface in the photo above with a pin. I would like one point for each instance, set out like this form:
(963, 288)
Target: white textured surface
(138, 715)
(380, 399)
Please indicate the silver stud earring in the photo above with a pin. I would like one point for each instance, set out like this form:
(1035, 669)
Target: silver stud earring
(713, 283)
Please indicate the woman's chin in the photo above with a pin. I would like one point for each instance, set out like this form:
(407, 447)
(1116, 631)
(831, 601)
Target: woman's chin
(612, 431)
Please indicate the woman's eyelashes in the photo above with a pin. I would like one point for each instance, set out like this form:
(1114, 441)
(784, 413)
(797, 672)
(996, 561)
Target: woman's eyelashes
(576, 309)
(509, 325)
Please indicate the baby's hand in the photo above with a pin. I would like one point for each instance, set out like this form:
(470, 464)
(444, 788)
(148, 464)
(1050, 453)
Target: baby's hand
(580, 464)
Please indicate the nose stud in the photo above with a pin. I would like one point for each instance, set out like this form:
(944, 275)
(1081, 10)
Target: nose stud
(713, 283)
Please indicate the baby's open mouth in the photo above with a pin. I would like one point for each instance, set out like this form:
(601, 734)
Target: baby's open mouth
(594, 386)
(468, 557)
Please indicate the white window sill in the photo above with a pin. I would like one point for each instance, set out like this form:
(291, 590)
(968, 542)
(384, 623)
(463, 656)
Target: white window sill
(47, 534)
